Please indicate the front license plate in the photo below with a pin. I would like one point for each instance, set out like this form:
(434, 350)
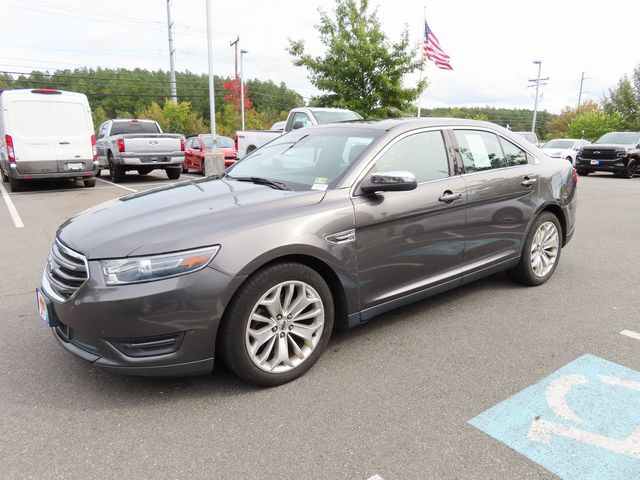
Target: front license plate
(44, 310)
(595, 162)
(75, 166)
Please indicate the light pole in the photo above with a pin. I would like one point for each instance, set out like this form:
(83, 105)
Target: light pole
(535, 103)
(212, 100)
(242, 52)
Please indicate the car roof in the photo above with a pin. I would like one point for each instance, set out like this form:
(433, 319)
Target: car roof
(414, 122)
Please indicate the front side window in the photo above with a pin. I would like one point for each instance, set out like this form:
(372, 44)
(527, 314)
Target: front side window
(303, 118)
(423, 154)
(480, 150)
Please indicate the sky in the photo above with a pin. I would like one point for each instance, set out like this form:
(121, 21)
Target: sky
(492, 43)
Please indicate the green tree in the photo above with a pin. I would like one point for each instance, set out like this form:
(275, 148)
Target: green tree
(624, 99)
(559, 125)
(360, 70)
(593, 124)
(99, 116)
(174, 118)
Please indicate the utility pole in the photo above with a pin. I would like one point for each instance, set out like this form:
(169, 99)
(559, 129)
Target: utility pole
(536, 83)
(212, 99)
(172, 52)
(582, 79)
(242, 52)
(235, 44)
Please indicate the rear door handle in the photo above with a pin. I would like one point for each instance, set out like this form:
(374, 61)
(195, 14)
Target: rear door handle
(63, 143)
(527, 182)
(449, 197)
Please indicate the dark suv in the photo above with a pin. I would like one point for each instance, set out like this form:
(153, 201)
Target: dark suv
(616, 152)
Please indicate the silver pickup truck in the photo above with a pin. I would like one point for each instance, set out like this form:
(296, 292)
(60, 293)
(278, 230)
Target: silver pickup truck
(130, 144)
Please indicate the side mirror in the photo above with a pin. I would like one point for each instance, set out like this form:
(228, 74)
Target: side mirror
(389, 182)
(297, 125)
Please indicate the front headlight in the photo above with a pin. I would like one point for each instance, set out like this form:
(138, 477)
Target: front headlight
(556, 155)
(156, 267)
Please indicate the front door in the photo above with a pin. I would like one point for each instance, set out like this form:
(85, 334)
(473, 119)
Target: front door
(409, 242)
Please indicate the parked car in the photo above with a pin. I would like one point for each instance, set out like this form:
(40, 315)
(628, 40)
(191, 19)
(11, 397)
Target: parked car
(132, 144)
(530, 137)
(45, 134)
(196, 147)
(323, 227)
(249, 140)
(616, 152)
(566, 148)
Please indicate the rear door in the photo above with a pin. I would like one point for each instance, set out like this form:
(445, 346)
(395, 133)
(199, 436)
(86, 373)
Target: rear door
(31, 128)
(409, 242)
(502, 190)
(72, 130)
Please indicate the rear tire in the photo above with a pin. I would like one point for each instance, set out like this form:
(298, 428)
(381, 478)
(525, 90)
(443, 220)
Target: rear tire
(173, 173)
(89, 182)
(542, 245)
(15, 185)
(98, 173)
(116, 172)
(5, 177)
(270, 299)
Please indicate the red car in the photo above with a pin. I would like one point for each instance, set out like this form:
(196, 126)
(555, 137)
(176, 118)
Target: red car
(196, 147)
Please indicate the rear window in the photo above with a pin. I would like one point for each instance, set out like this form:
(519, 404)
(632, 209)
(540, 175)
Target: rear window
(332, 117)
(69, 119)
(123, 128)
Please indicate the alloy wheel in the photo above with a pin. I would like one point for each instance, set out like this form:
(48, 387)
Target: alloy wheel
(544, 249)
(285, 327)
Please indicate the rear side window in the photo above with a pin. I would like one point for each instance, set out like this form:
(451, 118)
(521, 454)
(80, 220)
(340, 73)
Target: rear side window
(69, 119)
(423, 154)
(123, 128)
(513, 155)
(480, 150)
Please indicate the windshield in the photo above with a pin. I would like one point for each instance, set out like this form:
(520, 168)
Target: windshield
(221, 142)
(307, 160)
(559, 144)
(332, 117)
(120, 128)
(624, 138)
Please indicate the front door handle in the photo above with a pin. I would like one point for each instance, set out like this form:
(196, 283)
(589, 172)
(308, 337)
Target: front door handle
(64, 143)
(527, 182)
(449, 197)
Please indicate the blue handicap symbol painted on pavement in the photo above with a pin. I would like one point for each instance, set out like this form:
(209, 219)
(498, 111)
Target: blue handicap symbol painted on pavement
(582, 422)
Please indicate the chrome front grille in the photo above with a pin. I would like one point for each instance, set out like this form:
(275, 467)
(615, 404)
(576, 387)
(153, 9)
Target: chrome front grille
(66, 271)
(599, 153)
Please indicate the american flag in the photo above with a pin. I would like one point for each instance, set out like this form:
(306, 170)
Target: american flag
(433, 51)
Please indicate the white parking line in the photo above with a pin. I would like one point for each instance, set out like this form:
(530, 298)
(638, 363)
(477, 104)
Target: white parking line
(376, 477)
(630, 334)
(116, 185)
(17, 221)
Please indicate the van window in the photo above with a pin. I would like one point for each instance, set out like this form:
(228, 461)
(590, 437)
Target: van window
(69, 119)
(30, 119)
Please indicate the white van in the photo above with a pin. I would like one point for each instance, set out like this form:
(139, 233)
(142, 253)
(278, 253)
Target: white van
(46, 133)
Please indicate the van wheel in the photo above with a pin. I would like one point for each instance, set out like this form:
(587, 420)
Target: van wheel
(173, 173)
(89, 182)
(277, 325)
(5, 177)
(15, 185)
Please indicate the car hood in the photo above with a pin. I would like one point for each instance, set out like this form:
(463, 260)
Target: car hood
(551, 151)
(178, 217)
(607, 146)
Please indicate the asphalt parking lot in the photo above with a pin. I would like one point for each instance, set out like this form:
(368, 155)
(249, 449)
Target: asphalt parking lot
(391, 400)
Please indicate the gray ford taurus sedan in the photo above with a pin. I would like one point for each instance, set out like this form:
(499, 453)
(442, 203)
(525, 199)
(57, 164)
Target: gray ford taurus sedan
(324, 227)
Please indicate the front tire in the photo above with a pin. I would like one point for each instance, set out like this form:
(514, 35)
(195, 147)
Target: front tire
(630, 170)
(277, 325)
(541, 251)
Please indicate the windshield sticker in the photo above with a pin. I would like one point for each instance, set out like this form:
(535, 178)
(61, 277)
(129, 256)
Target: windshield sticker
(319, 186)
(321, 180)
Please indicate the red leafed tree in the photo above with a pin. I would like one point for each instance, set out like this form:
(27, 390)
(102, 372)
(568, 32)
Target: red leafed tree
(232, 94)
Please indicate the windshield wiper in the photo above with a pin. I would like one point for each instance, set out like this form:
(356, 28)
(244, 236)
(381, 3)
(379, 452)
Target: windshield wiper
(261, 181)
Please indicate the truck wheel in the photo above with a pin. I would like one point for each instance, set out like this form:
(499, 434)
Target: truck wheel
(89, 182)
(99, 172)
(630, 171)
(15, 185)
(173, 173)
(5, 177)
(116, 172)
(250, 149)
(582, 173)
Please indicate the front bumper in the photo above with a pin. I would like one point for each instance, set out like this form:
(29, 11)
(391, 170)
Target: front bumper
(617, 165)
(161, 328)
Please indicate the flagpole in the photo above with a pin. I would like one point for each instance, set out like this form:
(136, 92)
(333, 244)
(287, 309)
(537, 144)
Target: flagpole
(419, 99)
